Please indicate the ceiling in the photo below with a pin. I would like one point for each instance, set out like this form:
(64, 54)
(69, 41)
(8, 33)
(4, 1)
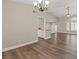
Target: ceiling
(56, 7)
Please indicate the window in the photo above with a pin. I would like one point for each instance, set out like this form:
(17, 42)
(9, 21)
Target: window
(72, 26)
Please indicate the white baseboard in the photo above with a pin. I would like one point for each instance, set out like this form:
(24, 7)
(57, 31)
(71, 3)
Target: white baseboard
(14, 47)
(47, 37)
(68, 32)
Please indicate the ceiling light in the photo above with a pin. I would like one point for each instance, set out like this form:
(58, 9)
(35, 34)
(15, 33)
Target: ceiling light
(68, 11)
(68, 15)
(35, 3)
(39, 1)
(41, 5)
(46, 2)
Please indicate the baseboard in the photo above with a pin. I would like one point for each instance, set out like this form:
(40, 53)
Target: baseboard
(68, 33)
(14, 47)
(47, 37)
(41, 37)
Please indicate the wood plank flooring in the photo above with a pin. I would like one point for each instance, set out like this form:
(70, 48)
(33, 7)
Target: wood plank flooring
(60, 46)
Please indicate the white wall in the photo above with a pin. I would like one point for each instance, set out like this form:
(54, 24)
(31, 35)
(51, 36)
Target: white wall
(51, 18)
(52, 21)
(54, 27)
(19, 24)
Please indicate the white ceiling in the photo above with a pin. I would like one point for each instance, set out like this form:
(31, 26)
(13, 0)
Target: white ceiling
(56, 7)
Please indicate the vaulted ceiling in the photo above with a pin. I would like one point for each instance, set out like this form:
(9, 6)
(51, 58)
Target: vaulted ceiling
(56, 7)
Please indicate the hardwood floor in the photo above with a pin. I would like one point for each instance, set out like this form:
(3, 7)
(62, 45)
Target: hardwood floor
(60, 46)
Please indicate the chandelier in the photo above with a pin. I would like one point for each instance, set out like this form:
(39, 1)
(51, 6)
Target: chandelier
(68, 12)
(68, 9)
(40, 5)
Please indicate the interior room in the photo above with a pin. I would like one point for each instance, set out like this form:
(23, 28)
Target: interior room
(39, 29)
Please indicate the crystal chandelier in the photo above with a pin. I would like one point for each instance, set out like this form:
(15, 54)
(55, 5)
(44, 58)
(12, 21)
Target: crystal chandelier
(40, 5)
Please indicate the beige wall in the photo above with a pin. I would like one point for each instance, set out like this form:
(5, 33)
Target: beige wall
(19, 24)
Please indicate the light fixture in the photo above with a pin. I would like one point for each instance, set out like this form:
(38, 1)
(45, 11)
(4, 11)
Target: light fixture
(40, 5)
(35, 3)
(39, 1)
(68, 12)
